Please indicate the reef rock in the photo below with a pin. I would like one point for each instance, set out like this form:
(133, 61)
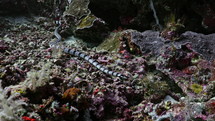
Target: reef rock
(83, 23)
(141, 15)
(150, 42)
(187, 61)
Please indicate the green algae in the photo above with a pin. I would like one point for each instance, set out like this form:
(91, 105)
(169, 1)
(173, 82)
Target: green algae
(196, 88)
(86, 22)
(112, 43)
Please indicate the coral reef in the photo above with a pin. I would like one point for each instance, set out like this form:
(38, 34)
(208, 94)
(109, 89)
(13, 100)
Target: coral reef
(156, 44)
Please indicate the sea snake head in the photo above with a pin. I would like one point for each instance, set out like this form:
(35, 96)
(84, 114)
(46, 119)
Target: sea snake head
(58, 23)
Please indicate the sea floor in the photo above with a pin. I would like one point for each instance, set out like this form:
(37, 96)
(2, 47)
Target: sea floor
(39, 83)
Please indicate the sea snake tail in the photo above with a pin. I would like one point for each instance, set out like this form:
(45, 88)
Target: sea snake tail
(82, 55)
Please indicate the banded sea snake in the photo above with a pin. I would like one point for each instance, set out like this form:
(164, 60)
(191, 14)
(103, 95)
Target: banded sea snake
(82, 55)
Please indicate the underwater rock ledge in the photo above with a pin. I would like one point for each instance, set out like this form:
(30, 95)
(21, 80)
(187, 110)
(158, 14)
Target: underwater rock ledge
(151, 42)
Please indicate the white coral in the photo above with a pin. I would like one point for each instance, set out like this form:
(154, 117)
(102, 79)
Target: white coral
(9, 107)
(34, 79)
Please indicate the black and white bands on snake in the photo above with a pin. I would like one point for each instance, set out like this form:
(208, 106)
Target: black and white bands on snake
(82, 55)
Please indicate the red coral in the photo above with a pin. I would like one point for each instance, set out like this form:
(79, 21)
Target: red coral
(26, 118)
(98, 90)
(190, 70)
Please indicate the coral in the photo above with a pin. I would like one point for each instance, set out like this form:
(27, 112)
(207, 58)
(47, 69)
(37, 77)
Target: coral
(173, 29)
(168, 80)
(150, 112)
(109, 100)
(175, 65)
(11, 75)
(154, 87)
(38, 78)
(184, 109)
(196, 88)
(177, 59)
(25, 118)
(35, 81)
(127, 44)
(71, 93)
(10, 107)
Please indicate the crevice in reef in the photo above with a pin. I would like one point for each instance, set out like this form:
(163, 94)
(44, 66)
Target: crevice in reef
(115, 13)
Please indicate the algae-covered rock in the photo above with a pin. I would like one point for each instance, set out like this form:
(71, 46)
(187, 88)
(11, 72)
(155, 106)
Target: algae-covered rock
(86, 22)
(120, 41)
(77, 9)
(91, 29)
(186, 61)
(111, 43)
(83, 23)
(154, 86)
